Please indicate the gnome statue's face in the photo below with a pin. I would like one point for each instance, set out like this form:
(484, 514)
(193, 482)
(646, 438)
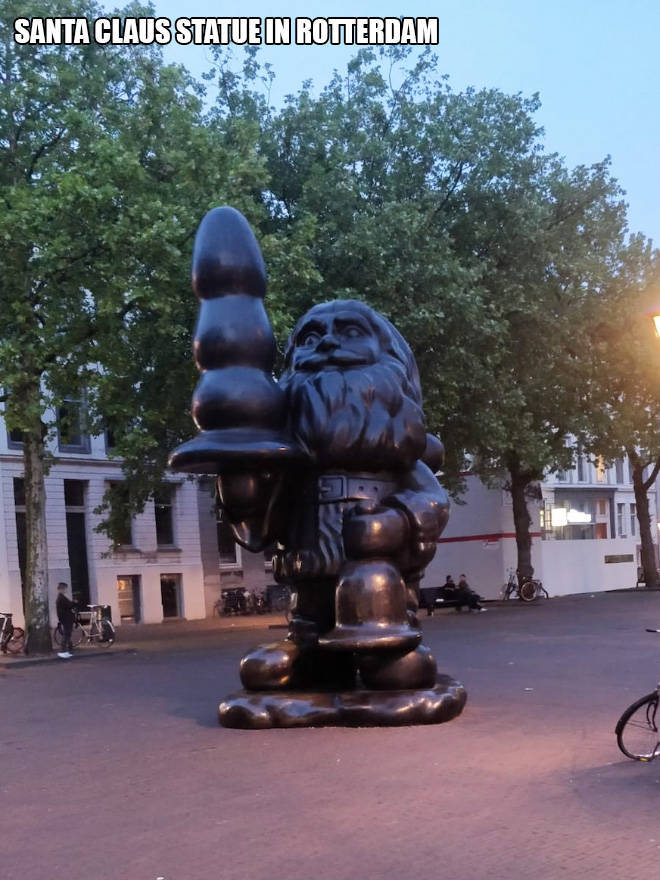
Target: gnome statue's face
(340, 340)
(353, 390)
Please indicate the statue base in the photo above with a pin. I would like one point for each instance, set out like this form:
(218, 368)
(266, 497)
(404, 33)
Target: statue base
(261, 710)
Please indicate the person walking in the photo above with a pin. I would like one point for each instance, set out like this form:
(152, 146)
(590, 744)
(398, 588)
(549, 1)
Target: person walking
(66, 617)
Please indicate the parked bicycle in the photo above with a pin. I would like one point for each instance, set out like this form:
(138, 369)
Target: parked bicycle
(235, 601)
(637, 730)
(12, 638)
(527, 589)
(93, 627)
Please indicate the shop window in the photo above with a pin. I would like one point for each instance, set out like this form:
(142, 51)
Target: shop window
(128, 596)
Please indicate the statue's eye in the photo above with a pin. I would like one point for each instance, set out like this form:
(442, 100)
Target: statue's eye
(352, 331)
(310, 338)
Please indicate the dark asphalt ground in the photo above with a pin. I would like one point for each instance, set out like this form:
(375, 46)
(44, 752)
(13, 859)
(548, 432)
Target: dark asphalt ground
(113, 767)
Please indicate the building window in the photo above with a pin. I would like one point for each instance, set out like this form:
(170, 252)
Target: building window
(620, 520)
(110, 439)
(580, 467)
(633, 520)
(227, 548)
(163, 509)
(269, 552)
(601, 470)
(618, 466)
(72, 427)
(15, 439)
(119, 502)
(561, 476)
(630, 471)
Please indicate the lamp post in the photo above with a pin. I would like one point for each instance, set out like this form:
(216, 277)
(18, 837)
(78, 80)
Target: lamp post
(654, 314)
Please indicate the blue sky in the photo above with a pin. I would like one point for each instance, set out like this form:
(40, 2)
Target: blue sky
(594, 63)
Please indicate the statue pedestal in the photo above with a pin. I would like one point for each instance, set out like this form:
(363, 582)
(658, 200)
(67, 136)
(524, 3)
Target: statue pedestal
(260, 710)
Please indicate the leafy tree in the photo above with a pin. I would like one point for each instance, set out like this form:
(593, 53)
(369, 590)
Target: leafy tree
(442, 210)
(105, 169)
(623, 405)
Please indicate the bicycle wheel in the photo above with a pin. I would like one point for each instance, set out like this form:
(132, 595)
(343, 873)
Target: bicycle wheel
(107, 634)
(77, 634)
(527, 591)
(16, 641)
(636, 731)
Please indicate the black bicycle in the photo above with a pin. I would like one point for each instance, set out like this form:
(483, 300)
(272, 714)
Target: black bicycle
(527, 589)
(637, 730)
(12, 638)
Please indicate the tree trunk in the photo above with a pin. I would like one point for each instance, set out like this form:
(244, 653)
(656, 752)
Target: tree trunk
(649, 563)
(520, 480)
(36, 563)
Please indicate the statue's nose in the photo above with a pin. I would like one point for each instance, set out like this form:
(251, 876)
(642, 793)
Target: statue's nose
(327, 343)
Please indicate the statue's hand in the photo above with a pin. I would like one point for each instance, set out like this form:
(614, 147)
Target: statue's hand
(249, 502)
(245, 494)
(427, 515)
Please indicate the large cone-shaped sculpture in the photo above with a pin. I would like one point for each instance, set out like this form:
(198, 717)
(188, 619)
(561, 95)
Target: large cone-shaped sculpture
(237, 406)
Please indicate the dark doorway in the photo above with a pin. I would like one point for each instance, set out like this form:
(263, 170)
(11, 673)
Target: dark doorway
(77, 545)
(21, 537)
(76, 538)
(170, 593)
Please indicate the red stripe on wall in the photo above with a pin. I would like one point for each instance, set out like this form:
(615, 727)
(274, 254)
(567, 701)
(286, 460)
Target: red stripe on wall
(495, 536)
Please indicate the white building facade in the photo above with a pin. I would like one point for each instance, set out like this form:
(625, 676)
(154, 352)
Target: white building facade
(585, 534)
(155, 575)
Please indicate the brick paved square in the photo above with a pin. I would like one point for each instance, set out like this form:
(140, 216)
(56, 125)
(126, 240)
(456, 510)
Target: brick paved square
(113, 767)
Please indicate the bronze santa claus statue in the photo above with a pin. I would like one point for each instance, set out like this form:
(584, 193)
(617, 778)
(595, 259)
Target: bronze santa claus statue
(333, 466)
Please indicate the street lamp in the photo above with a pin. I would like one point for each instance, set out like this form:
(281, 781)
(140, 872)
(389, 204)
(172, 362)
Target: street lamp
(650, 302)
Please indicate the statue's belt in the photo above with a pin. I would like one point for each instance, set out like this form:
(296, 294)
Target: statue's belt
(352, 487)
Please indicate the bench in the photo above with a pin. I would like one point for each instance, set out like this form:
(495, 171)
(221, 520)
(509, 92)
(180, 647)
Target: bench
(438, 597)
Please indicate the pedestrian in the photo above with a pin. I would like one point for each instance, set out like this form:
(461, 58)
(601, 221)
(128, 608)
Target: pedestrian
(467, 596)
(66, 617)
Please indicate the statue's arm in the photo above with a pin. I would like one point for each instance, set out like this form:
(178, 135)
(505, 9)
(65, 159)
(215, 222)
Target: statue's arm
(426, 506)
(253, 506)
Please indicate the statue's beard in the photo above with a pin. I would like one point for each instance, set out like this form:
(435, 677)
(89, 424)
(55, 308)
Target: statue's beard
(359, 418)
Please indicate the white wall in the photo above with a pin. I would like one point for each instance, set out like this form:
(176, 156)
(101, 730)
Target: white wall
(580, 567)
(479, 541)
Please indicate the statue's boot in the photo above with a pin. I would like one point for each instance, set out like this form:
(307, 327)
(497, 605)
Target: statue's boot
(271, 667)
(396, 671)
(287, 665)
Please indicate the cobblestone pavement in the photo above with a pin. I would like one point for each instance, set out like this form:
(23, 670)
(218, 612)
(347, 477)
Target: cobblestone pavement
(114, 768)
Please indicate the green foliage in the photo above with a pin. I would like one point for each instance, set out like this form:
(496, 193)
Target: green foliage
(443, 211)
